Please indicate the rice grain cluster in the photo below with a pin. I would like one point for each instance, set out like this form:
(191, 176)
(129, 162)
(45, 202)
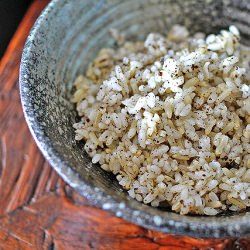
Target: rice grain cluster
(170, 118)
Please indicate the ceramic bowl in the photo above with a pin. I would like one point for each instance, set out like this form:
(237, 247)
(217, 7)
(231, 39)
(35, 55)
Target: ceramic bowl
(64, 39)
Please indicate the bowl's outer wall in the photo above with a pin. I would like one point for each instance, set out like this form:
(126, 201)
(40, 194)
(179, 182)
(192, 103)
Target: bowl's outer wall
(63, 41)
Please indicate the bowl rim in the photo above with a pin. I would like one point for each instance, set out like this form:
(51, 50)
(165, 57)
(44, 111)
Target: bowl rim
(181, 226)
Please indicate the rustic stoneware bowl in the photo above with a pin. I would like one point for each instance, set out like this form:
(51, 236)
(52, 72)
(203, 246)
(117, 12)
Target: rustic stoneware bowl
(65, 38)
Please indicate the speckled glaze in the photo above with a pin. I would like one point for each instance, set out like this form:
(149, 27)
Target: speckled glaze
(62, 42)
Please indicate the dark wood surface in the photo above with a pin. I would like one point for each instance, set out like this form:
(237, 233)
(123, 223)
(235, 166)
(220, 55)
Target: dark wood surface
(37, 209)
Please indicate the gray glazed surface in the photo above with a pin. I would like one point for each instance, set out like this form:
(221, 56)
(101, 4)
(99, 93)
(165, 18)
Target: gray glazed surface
(62, 42)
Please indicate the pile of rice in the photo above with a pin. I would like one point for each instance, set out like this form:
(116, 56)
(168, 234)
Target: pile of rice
(170, 118)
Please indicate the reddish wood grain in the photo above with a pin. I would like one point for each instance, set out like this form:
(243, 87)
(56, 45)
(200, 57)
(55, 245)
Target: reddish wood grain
(37, 209)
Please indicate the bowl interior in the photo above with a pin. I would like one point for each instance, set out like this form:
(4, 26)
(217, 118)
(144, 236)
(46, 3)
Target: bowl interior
(64, 40)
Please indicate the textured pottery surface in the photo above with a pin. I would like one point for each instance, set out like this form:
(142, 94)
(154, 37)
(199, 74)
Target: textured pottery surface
(63, 41)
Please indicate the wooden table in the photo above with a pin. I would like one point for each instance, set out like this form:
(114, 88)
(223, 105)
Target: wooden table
(37, 209)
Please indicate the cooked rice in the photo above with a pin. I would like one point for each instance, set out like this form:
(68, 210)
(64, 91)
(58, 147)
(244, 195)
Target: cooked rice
(170, 118)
